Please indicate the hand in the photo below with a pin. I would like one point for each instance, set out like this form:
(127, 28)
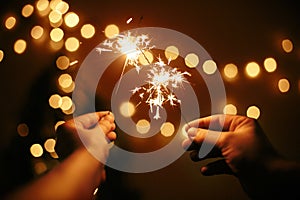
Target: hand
(245, 152)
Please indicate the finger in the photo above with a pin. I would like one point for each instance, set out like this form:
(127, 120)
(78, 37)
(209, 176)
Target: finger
(111, 136)
(189, 145)
(87, 120)
(214, 153)
(109, 116)
(106, 126)
(216, 168)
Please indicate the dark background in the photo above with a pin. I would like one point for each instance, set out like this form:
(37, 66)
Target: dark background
(231, 31)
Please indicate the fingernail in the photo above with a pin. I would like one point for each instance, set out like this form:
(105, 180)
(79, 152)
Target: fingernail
(192, 132)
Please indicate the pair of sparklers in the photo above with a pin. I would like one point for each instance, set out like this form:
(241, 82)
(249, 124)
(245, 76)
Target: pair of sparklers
(161, 78)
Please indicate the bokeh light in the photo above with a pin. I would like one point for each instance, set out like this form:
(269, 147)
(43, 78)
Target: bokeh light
(54, 3)
(36, 150)
(20, 46)
(111, 31)
(57, 124)
(71, 19)
(70, 88)
(37, 32)
(287, 45)
(40, 167)
(270, 64)
(167, 129)
(27, 10)
(283, 85)
(49, 145)
(252, 69)
(55, 101)
(209, 67)
(143, 126)
(1, 55)
(230, 71)
(230, 109)
(127, 109)
(87, 31)
(253, 112)
(72, 44)
(61, 6)
(10, 22)
(55, 18)
(43, 7)
(191, 60)
(65, 80)
(23, 129)
(62, 62)
(56, 34)
(146, 58)
(171, 52)
(66, 104)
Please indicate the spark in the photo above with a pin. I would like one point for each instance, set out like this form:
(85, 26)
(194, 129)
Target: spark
(162, 81)
(129, 20)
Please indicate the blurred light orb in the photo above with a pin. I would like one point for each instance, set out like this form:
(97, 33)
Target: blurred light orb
(71, 19)
(23, 129)
(56, 34)
(54, 3)
(40, 167)
(287, 45)
(62, 62)
(20, 46)
(111, 31)
(171, 53)
(230, 71)
(1, 55)
(55, 16)
(146, 58)
(66, 103)
(191, 60)
(61, 6)
(70, 88)
(127, 109)
(253, 112)
(209, 67)
(283, 85)
(87, 31)
(55, 101)
(10, 22)
(167, 129)
(37, 32)
(143, 126)
(230, 109)
(42, 5)
(49, 145)
(57, 124)
(270, 64)
(27, 10)
(252, 69)
(36, 150)
(65, 80)
(72, 44)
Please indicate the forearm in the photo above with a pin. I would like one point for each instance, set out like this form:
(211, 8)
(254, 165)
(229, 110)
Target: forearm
(75, 178)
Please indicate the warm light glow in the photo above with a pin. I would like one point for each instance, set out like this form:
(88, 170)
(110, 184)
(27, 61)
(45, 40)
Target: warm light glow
(146, 58)
(1, 55)
(253, 112)
(37, 32)
(283, 85)
(87, 31)
(72, 44)
(66, 103)
(62, 62)
(230, 71)
(171, 53)
(58, 124)
(20, 46)
(252, 69)
(40, 167)
(10, 22)
(143, 126)
(209, 67)
(230, 109)
(55, 101)
(49, 145)
(70, 111)
(27, 10)
(23, 129)
(55, 46)
(270, 64)
(127, 109)
(111, 31)
(54, 155)
(36, 150)
(56, 34)
(42, 5)
(129, 20)
(55, 17)
(65, 80)
(191, 60)
(71, 19)
(70, 88)
(167, 129)
(287, 45)
(54, 3)
(62, 7)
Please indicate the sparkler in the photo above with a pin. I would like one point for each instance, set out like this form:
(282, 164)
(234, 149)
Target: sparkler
(162, 79)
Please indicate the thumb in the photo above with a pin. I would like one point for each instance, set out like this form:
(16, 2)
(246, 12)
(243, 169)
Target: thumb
(216, 168)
